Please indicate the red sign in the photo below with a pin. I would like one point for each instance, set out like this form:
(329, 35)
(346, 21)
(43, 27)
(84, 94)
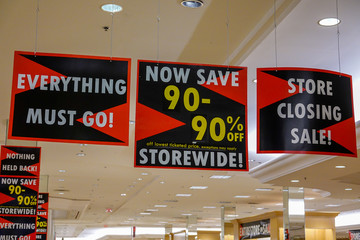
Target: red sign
(304, 110)
(42, 216)
(70, 98)
(20, 161)
(191, 116)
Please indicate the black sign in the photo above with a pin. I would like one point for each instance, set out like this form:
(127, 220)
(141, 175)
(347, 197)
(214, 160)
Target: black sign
(305, 111)
(70, 98)
(22, 228)
(20, 161)
(42, 216)
(191, 116)
(18, 196)
(257, 229)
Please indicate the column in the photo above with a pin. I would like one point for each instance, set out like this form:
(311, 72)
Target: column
(294, 213)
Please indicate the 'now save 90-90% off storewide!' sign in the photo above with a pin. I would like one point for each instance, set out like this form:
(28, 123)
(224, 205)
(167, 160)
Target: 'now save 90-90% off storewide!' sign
(191, 116)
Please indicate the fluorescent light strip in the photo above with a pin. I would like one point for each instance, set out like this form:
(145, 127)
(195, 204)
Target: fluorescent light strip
(264, 189)
(183, 195)
(220, 177)
(198, 187)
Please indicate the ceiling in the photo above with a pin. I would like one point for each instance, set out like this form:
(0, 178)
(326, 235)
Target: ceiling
(164, 30)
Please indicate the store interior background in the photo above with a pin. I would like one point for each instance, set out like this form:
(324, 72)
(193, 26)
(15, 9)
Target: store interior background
(102, 189)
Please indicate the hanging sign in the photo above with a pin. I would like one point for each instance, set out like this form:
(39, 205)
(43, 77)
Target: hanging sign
(354, 234)
(191, 116)
(42, 216)
(13, 228)
(253, 230)
(20, 161)
(18, 196)
(304, 110)
(70, 98)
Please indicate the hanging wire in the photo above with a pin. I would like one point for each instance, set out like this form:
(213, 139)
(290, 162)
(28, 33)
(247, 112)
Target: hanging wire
(275, 35)
(111, 35)
(338, 35)
(158, 33)
(36, 27)
(227, 34)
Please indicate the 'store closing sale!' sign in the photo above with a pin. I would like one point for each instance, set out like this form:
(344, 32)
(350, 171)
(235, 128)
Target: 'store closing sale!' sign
(191, 116)
(70, 98)
(304, 110)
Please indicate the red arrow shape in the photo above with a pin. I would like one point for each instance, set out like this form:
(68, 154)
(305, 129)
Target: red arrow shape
(150, 122)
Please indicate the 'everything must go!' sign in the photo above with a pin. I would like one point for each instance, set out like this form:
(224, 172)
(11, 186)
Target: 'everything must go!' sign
(70, 98)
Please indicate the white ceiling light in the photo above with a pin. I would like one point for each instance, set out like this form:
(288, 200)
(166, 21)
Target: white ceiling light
(209, 207)
(220, 177)
(160, 206)
(183, 195)
(198, 187)
(348, 189)
(295, 181)
(111, 8)
(241, 196)
(145, 213)
(192, 3)
(264, 189)
(340, 166)
(328, 22)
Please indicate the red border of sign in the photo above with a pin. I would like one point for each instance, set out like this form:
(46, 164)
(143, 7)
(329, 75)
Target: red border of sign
(246, 118)
(302, 152)
(69, 140)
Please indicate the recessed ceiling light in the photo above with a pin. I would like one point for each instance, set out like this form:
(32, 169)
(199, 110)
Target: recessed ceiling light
(279, 204)
(198, 187)
(123, 194)
(139, 179)
(340, 166)
(260, 208)
(160, 206)
(241, 196)
(220, 177)
(144, 174)
(61, 180)
(209, 207)
(254, 81)
(328, 22)
(183, 195)
(295, 181)
(145, 213)
(111, 8)
(152, 210)
(264, 189)
(192, 3)
(309, 198)
(81, 154)
(62, 170)
(162, 182)
(61, 193)
(132, 122)
(348, 189)
(186, 214)
(332, 205)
